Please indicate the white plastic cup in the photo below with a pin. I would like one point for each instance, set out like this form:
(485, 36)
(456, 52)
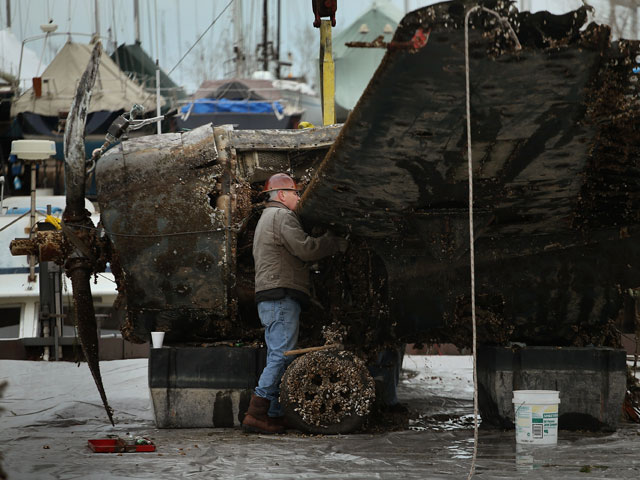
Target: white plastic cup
(157, 338)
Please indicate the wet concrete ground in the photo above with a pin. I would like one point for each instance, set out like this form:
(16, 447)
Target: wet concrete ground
(52, 410)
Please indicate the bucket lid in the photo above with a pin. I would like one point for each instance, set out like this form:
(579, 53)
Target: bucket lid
(536, 396)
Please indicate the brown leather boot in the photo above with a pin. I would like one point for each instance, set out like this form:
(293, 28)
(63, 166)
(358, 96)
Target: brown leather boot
(256, 419)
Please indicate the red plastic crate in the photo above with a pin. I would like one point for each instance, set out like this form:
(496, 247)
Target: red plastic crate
(117, 445)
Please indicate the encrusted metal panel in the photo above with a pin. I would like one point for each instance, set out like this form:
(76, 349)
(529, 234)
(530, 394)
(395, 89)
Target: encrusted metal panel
(304, 139)
(555, 176)
(155, 196)
(403, 148)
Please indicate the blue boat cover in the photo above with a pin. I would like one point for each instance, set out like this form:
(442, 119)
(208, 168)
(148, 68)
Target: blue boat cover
(209, 105)
(43, 211)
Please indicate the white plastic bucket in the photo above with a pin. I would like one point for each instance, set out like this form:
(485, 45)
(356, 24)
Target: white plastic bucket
(536, 416)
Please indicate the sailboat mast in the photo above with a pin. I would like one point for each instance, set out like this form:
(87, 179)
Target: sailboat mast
(136, 19)
(278, 44)
(97, 16)
(158, 110)
(179, 35)
(238, 39)
(8, 14)
(265, 25)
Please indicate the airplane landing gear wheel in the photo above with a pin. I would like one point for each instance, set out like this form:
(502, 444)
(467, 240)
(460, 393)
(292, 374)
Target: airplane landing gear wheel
(327, 392)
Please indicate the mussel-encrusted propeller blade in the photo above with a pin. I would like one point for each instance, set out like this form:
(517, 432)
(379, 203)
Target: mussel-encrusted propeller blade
(77, 224)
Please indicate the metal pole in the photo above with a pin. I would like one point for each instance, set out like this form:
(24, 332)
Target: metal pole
(278, 45)
(327, 74)
(159, 122)
(9, 14)
(19, 70)
(57, 291)
(115, 30)
(136, 19)
(1, 193)
(95, 9)
(57, 302)
(179, 35)
(32, 222)
(53, 273)
(44, 44)
(155, 11)
(238, 38)
(265, 24)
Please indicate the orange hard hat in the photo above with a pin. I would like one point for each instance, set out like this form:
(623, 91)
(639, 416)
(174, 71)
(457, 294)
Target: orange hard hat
(280, 181)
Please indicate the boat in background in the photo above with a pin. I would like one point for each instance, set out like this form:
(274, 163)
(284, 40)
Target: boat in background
(255, 97)
(20, 318)
(260, 102)
(14, 72)
(300, 95)
(138, 65)
(41, 111)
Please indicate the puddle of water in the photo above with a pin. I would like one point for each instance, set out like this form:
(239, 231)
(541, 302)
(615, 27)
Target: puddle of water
(442, 422)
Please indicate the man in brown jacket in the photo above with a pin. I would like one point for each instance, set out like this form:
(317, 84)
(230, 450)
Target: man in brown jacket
(281, 249)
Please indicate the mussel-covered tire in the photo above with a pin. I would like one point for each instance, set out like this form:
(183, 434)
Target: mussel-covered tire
(327, 392)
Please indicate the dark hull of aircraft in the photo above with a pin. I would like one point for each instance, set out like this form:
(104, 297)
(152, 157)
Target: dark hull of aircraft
(556, 196)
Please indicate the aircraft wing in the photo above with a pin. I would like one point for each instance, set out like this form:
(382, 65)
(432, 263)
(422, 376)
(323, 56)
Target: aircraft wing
(554, 165)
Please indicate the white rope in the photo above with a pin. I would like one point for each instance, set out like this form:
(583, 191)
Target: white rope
(471, 240)
(505, 23)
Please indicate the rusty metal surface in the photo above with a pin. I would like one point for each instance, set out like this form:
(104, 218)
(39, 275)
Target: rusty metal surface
(156, 198)
(47, 245)
(554, 181)
(304, 139)
(179, 210)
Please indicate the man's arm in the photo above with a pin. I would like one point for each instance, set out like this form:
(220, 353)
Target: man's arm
(303, 246)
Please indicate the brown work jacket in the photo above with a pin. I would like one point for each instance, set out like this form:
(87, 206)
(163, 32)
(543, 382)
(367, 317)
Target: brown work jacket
(281, 249)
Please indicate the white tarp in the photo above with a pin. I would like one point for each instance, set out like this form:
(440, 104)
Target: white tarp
(53, 408)
(10, 48)
(113, 90)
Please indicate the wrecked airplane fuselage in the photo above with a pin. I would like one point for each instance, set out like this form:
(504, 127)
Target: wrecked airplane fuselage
(555, 160)
(555, 156)
(555, 152)
(180, 211)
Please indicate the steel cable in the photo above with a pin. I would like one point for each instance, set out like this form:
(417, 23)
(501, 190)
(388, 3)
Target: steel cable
(200, 37)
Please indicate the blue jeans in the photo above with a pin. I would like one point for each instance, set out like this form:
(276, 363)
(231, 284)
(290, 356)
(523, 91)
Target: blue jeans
(280, 319)
(387, 369)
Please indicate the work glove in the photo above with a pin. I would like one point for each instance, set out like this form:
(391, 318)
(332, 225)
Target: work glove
(341, 243)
